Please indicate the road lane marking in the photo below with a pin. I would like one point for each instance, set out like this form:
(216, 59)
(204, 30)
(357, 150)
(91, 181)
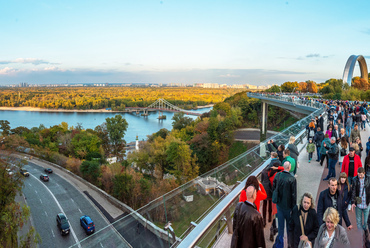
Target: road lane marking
(40, 200)
(61, 209)
(52, 233)
(46, 213)
(101, 245)
(72, 200)
(80, 211)
(35, 190)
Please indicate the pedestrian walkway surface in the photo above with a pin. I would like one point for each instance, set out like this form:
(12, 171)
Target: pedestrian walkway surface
(310, 179)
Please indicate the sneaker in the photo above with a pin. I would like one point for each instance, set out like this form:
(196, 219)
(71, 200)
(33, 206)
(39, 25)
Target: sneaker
(309, 160)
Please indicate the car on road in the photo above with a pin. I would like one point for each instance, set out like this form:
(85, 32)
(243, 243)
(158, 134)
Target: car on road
(24, 172)
(63, 224)
(87, 224)
(48, 170)
(44, 178)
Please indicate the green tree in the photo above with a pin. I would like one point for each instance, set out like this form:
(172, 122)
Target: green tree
(84, 143)
(116, 128)
(273, 89)
(4, 125)
(183, 164)
(13, 214)
(180, 121)
(90, 170)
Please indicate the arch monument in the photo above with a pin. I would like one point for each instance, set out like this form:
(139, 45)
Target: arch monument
(350, 66)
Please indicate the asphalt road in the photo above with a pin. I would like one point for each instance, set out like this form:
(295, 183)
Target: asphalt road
(47, 199)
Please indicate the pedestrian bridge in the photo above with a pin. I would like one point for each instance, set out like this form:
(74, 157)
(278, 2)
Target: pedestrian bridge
(199, 213)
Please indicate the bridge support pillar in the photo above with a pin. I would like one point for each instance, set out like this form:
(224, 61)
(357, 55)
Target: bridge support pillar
(263, 133)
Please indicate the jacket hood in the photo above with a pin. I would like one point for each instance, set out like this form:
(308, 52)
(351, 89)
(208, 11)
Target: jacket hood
(320, 132)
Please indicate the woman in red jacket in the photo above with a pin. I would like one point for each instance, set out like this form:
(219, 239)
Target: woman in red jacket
(261, 193)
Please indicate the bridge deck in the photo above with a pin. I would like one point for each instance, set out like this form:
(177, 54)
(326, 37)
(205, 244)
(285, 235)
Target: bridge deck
(309, 179)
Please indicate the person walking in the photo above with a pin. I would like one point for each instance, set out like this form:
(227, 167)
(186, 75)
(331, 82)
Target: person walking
(349, 122)
(330, 197)
(323, 149)
(293, 152)
(343, 147)
(285, 190)
(333, 158)
(246, 216)
(318, 138)
(304, 214)
(351, 163)
(344, 190)
(330, 233)
(361, 198)
(354, 134)
(310, 149)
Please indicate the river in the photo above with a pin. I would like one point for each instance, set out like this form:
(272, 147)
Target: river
(137, 124)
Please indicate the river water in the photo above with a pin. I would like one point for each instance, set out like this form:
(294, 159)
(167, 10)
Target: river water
(137, 124)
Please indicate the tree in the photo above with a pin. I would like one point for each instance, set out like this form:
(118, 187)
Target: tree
(289, 86)
(183, 164)
(85, 143)
(302, 87)
(360, 83)
(311, 86)
(13, 214)
(4, 125)
(116, 128)
(90, 170)
(273, 89)
(180, 121)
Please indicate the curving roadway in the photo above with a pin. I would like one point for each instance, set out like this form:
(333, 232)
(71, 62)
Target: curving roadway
(47, 199)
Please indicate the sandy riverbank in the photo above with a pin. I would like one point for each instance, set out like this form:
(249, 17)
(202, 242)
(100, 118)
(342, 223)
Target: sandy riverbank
(32, 109)
(56, 110)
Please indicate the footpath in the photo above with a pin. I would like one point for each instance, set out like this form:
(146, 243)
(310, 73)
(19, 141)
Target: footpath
(310, 179)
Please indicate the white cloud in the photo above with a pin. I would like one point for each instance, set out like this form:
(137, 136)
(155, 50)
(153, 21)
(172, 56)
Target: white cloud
(229, 76)
(7, 71)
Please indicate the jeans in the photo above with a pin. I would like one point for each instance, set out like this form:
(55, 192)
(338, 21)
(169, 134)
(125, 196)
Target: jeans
(363, 124)
(362, 223)
(350, 180)
(283, 216)
(310, 155)
(318, 152)
(332, 164)
(348, 130)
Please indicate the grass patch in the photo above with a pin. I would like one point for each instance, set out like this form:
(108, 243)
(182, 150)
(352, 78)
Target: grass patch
(238, 147)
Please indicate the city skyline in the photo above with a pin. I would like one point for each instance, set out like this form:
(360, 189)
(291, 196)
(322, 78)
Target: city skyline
(239, 42)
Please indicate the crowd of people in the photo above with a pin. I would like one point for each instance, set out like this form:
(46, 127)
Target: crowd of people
(337, 144)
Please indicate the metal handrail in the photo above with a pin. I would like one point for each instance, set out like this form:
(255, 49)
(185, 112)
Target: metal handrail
(218, 211)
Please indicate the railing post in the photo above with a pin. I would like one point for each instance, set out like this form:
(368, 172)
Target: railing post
(263, 133)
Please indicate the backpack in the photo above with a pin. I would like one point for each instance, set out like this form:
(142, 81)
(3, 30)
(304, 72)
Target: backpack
(343, 152)
(312, 133)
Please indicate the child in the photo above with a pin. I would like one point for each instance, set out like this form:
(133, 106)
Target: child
(310, 149)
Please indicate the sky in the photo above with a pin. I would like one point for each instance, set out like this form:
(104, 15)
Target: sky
(260, 42)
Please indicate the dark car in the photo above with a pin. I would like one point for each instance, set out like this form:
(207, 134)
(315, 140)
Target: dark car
(24, 172)
(87, 224)
(63, 224)
(44, 178)
(48, 170)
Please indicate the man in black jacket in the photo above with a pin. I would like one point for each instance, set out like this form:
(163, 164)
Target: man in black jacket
(285, 186)
(318, 138)
(248, 223)
(330, 197)
(361, 190)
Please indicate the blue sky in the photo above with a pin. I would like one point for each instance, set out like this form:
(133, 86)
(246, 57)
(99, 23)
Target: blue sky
(255, 42)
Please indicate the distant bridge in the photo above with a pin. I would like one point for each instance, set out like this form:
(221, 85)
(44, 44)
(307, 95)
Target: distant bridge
(161, 105)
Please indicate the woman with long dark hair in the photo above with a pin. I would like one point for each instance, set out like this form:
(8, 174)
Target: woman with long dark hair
(261, 193)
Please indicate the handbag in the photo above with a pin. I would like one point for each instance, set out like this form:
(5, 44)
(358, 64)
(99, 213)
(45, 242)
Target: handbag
(302, 244)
